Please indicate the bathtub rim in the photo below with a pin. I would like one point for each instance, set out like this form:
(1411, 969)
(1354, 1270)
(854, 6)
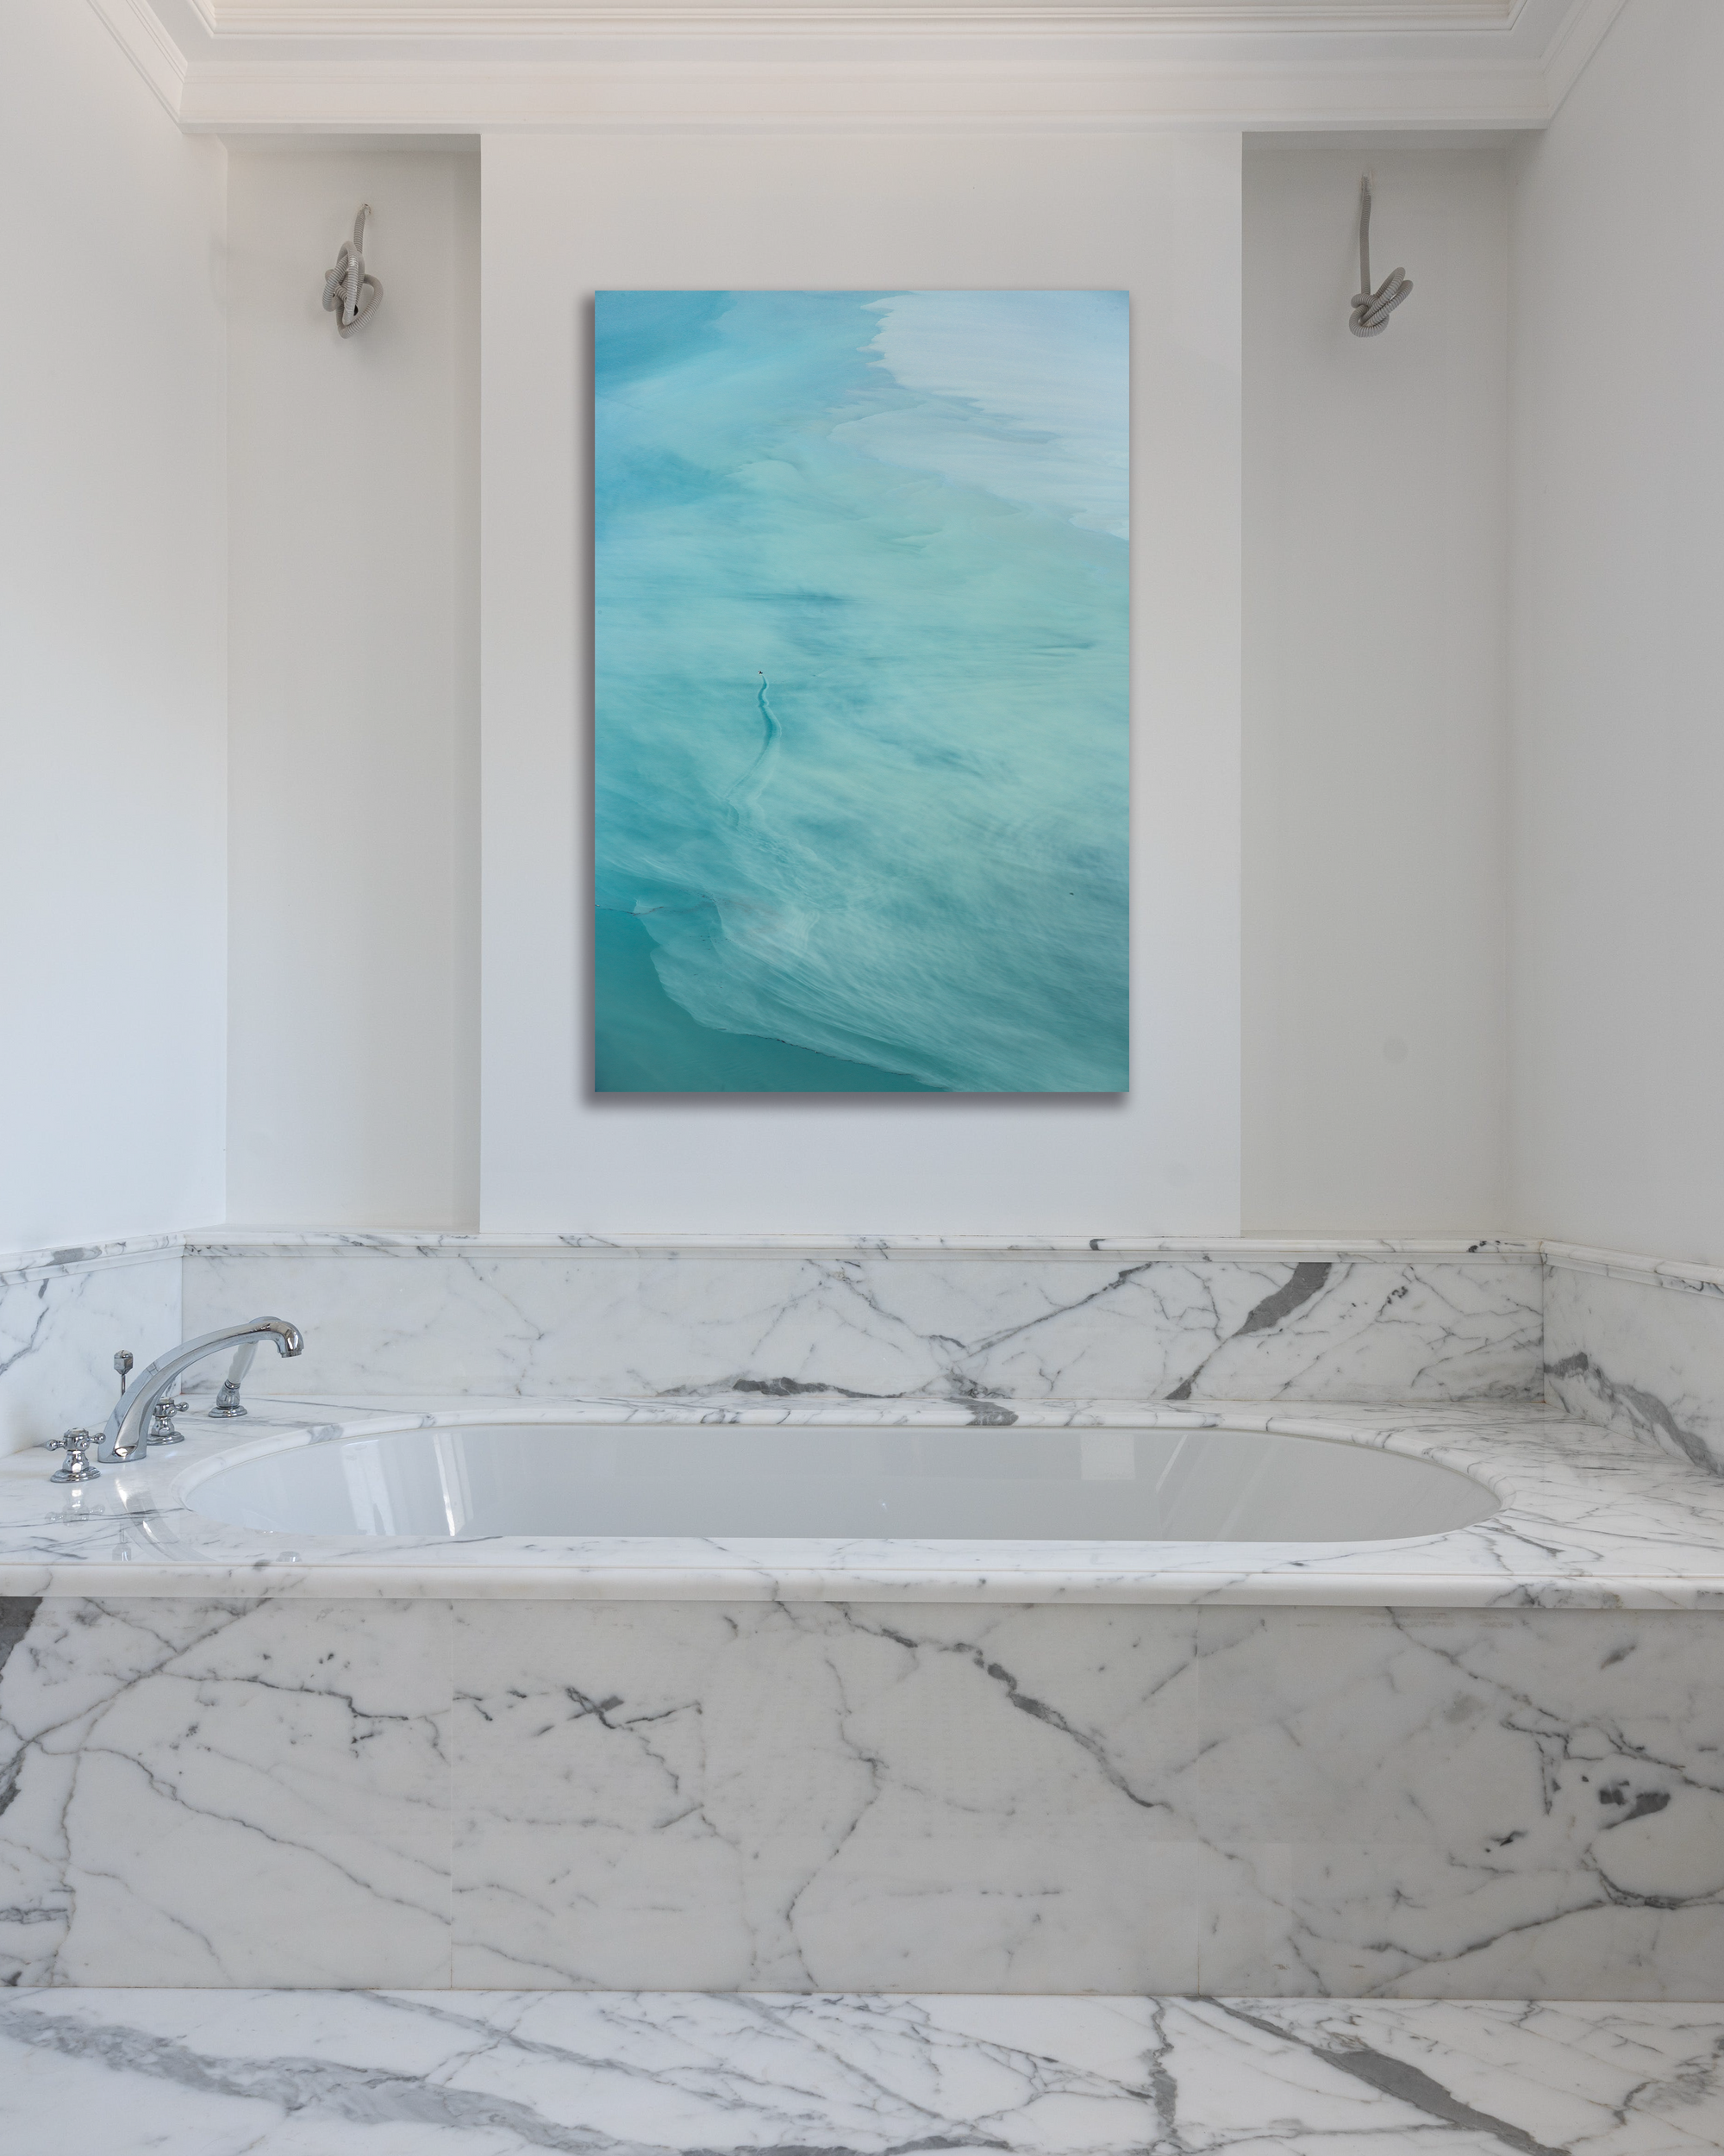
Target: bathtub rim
(1591, 1518)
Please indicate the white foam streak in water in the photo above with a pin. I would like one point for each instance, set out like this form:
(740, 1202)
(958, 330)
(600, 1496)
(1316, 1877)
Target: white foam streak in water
(1039, 380)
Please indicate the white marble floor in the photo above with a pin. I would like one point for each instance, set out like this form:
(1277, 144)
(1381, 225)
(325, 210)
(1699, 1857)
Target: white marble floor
(332, 2074)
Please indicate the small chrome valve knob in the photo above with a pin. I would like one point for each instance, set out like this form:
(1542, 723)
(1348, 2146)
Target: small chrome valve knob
(162, 1431)
(75, 1445)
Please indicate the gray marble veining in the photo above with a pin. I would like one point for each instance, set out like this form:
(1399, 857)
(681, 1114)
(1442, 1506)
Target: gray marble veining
(403, 2073)
(1341, 1803)
(223, 1793)
(864, 1316)
(870, 1320)
(863, 1797)
(1639, 1348)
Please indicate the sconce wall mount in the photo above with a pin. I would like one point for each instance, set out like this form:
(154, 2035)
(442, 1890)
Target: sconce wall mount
(351, 293)
(1371, 310)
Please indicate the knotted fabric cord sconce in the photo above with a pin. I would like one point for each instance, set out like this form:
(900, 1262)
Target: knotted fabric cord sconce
(351, 293)
(1370, 310)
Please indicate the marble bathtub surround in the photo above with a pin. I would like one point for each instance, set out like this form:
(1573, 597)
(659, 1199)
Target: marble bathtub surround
(248, 2073)
(870, 1318)
(1638, 1347)
(1044, 1768)
(1509, 1803)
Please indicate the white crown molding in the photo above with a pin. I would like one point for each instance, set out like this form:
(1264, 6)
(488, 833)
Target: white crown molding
(375, 67)
(726, 95)
(1578, 39)
(148, 47)
(384, 19)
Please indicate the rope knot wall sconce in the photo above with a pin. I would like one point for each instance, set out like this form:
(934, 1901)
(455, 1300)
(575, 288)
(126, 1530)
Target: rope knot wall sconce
(351, 293)
(1370, 310)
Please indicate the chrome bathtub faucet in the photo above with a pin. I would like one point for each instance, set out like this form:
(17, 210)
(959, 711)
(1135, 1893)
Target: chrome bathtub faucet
(136, 1418)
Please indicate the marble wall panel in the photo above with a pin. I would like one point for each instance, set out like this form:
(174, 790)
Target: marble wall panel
(1501, 1803)
(823, 1797)
(442, 1320)
(214, 1794)
(1495, 1804)
(1642, 1353)
(1480, 1804)
(61, 1319)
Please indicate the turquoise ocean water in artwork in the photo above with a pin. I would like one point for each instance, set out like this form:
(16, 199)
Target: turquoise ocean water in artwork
(861, 673)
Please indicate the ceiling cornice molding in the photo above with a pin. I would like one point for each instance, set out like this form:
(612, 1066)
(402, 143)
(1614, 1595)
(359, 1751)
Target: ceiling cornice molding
(1327, 66)
(382, 20)
(728, 97)
(1575, 43)
(147, 44)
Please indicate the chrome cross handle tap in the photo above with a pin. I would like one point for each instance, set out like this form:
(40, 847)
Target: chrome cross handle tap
(126, 1435)
(162, 1431)
(75, 1445)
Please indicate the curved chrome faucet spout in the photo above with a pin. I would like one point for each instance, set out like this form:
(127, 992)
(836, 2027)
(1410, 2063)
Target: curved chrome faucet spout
(126, 1435)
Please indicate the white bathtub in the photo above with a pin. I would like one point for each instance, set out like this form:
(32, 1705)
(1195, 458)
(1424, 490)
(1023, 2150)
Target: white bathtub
(923, 1484)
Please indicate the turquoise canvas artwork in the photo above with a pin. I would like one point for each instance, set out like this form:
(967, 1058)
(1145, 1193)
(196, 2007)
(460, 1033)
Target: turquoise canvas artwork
(862, 701)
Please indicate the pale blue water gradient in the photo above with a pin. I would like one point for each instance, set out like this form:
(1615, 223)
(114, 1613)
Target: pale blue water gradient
(862, 698)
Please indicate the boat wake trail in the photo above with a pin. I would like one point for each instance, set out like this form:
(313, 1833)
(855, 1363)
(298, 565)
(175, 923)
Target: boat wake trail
(742, 797)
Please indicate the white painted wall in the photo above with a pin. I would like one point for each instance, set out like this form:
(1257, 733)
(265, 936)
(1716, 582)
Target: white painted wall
(1374, 877)
(564, 215)
(1375, 1078)
(353, 891)
(111, 644)
(1619, 569)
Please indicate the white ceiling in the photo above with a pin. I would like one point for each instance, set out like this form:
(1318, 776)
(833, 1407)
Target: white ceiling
(417, 67)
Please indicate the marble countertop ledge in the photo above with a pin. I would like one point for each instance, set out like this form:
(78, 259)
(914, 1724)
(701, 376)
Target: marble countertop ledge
(19, 1266)
(1589, 1519)
(525, 1243)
